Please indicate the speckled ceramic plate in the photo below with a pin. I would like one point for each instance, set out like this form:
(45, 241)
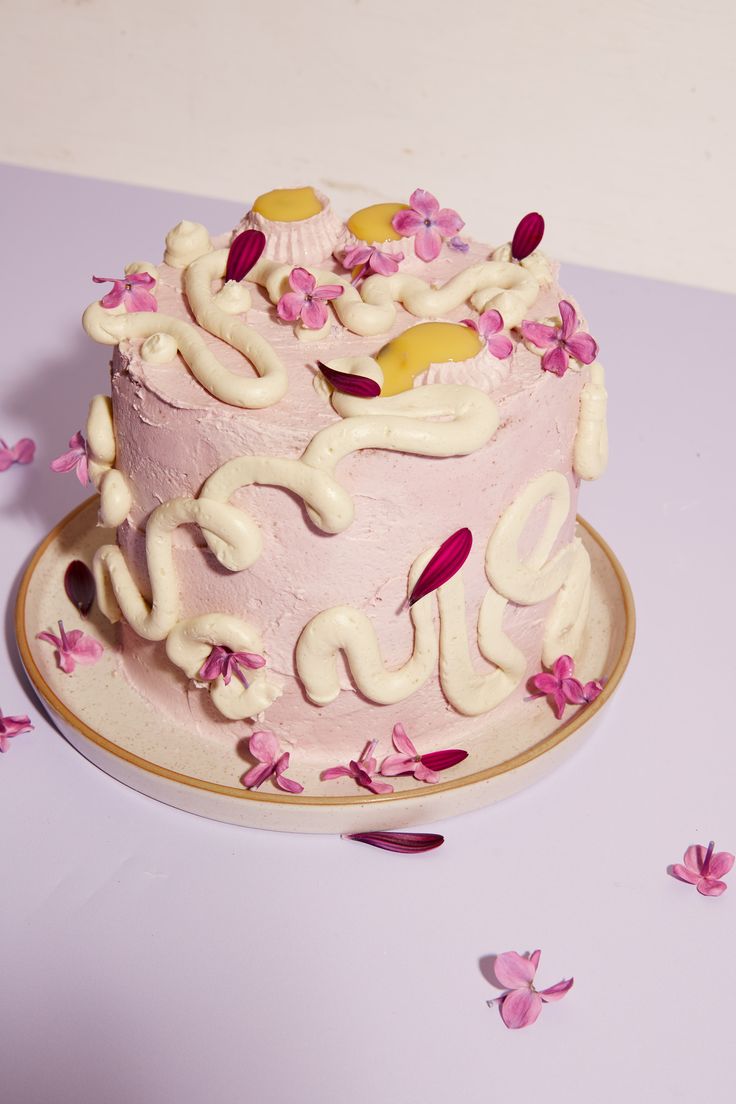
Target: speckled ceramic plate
(111, 724)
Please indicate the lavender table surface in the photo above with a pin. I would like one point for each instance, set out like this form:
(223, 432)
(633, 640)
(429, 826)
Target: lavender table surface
(151, 956)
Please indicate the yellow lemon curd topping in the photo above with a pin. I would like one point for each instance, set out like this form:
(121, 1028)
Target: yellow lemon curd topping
(373, 224)
(288, 204)
(413, 351)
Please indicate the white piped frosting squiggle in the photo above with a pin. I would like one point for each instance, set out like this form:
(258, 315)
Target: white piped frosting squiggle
(115, 496)
(590, 456)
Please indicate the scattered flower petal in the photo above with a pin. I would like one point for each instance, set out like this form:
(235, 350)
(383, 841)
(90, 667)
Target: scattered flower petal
(521, 1004)
(488, 326)
(446, 562)
(306, 301)
(368, 258)
(132, 291)
(245, 249)
(458, 245)
(563, 688)
(264, 747)
(561, 342)
(704, 868)
(406, 843)
(362, 770)
(527, 236)
(72, 648)
(75, 459)
(224, 663)
(79, 584)
(427, 223)
(22, 452)
(12, 726)
(425, 768)
(349, 384)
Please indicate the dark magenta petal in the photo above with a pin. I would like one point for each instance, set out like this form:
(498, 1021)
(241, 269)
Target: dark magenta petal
(79, 585)
(527, 236)
(245, 250)
(362, 386)
(443, 760)
(406, 843)
(446, 562)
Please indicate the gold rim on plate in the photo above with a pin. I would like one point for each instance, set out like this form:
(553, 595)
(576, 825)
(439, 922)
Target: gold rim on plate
(557, 737)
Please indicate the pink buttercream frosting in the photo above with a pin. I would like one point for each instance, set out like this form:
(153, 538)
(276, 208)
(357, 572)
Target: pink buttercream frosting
(172, 434)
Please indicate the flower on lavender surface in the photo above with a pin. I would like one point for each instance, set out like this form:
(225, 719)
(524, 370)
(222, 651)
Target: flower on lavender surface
(223, 662)
(370, 259)
(563, 688)
(72, 648)
(561, 342)
(264, 747)
(22, 452)
(405, 843)
(12, 726)
(306, 301)
(132, 291)
(362, 770)
(704, 868)
(76, 459)
(425, 768)
(488, 327)
(427, 223)
(521, 1005)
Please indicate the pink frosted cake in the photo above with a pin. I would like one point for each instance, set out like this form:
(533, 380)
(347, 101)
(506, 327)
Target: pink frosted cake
(311, 420)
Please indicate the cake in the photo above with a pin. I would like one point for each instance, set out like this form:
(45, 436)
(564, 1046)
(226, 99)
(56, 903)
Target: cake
(342, 461)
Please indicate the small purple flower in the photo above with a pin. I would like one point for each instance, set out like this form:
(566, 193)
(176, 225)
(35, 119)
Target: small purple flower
(363, 770)
(132, 291)
(264, 747)
(488, 326)
(12, 726)
(306, 301)
(427, 223)
(224, 663)
(561, 342)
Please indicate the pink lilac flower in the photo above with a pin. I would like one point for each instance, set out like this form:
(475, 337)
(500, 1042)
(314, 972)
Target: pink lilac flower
(264, 747)
(306, 301)
(563, 688)
(425, 768)
(521, 1005)
(488, 326)
(371, 259)
(132, 291)
(561, 342)
(704, 868)
(75, 459)
(224, 663)
(12, 726)
(362, 770)
(72, 648)
(22, 452)
(427, 223)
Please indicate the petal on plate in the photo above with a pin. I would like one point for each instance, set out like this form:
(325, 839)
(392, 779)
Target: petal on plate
(256, 775)
(85, 649)
(423, 773)
(288, 784)
(573, 691)
(401, 741)
(264, 745)
(335, 772)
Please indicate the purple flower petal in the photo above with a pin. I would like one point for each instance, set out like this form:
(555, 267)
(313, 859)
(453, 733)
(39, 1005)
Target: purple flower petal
(407, 223)
(527, 236)
(139, 299)
(446, 562)
(256, 775)
(569, 317)
(245, 250)
(427, 243)
(448, 222)
(79, 585)
(385, 264)
(289, 306)
(443, 760)
(313, 314)
(424, 203)
(555, 361)
(401, 741)
(501, 346)
(539, 334)
(520, 1008)
(301, 280)
(405, 843)
(489, 323)
(263, 745)
(328, 291)
(358, 255)
(23, 451)
(349, 384)
(583, 347)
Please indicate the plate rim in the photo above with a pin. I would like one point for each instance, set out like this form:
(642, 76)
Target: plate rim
(560, 734)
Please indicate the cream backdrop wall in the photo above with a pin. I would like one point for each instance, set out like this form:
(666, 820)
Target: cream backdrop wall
(613, 119)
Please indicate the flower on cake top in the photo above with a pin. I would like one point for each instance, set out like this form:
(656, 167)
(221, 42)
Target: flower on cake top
(75, 459)
(306, 301)
(704, 868)
(428, 223)
(561, 342)
(224, 663)
(425, 768)
(72, 648)
(521, 1004)
(22, 452)
(132, 291)
(488, 327)
(527, 236)
(371, 259)
(264, 747)
(563, 688)
(12, 726)
(363, 770)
